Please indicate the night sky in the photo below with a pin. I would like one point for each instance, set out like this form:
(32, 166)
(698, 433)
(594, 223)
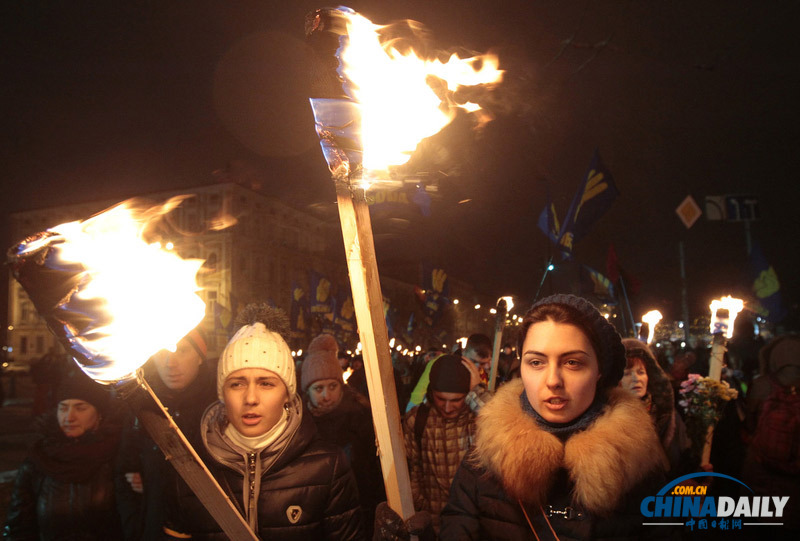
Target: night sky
(112, 99)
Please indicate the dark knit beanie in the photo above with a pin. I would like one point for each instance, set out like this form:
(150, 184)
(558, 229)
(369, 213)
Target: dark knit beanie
(78, 386)
(448, 375)
(197, 340)
(611, 352)
(321, 362)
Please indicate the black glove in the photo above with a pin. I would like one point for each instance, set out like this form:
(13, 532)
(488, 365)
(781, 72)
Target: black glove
(389, 526)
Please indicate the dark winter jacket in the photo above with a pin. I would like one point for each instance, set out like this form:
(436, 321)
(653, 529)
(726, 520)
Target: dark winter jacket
(589, 486)
(660, 403)
(64, 489)
(143, 515)
(350, 427)
(309, 492)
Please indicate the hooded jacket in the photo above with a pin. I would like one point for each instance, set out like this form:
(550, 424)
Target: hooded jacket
(143, 515)
(305, 492)
(660, 402)
(590, 486)
(64, 489)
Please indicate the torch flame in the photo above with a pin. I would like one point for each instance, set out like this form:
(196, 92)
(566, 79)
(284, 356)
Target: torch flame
(651, 318)
(734, 306)
(397, 104)
(132, 298)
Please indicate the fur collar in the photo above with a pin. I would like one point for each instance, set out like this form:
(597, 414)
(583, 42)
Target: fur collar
(603, 462)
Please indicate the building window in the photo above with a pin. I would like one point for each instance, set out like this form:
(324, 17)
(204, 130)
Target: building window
(23, 345)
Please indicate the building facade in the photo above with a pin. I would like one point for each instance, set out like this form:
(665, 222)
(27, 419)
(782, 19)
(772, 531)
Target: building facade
(256, 249)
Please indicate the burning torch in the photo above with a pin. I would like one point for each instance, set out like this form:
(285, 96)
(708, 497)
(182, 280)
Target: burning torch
(723, 314)
(504, 306)
(113, 297)
(372, 105)
(651, 318)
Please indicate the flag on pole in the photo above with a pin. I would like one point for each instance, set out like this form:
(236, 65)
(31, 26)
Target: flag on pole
(548, 220)
(766, 287)
(594, 283)
(591, 201)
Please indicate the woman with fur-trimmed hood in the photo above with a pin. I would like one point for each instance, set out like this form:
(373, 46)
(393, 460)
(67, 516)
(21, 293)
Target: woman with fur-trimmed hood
(562, 451)
(644, 379)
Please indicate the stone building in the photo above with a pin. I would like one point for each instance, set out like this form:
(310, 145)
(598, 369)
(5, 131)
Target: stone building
(267, 249)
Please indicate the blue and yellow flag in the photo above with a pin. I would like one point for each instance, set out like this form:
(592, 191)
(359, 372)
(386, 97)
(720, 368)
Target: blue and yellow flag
(766, 287)
(345, 313)
(548, 221)
(298, 312)
(321, 299)
(594, 283)
(592, 200)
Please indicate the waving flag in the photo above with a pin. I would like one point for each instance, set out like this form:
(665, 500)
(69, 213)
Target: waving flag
(594, 283)
(766, 287)
(591, 201)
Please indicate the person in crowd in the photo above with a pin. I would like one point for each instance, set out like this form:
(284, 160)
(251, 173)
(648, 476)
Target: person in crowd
(439, 432)
(343, 417)
(477, 351)
(644, 379)
(64, 489)
(186, 385)
(507, 365)
(264, 450)
(46, 373)
(562, 450)
(772, 463)
(358, 379)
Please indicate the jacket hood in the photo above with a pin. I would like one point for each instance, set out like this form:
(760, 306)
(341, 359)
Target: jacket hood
(659, 387)
(603, 462)
(213, 426)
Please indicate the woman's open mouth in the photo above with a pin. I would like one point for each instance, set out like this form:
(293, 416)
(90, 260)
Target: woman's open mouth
(251, 419)
(556, 403)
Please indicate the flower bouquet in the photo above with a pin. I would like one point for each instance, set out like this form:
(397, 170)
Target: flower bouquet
(703, 401)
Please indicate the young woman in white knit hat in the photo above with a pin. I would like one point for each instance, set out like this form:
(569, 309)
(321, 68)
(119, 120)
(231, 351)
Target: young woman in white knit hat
(285, 481)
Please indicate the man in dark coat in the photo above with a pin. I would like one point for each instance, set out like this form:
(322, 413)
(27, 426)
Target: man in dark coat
(186, 385)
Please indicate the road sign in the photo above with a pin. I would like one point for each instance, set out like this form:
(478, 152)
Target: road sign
(741, 208)
(688, 211)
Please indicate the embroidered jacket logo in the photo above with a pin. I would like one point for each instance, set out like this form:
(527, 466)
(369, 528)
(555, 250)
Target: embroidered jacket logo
(293, 513)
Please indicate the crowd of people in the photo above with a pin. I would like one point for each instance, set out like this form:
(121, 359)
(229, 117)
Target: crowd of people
(581, 427)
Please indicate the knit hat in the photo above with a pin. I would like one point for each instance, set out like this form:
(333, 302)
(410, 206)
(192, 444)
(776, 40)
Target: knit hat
(78, 386)
(321, 361)
(610, 351)
(781, 358)
(449, 375)
(197, 340)
(257, 345)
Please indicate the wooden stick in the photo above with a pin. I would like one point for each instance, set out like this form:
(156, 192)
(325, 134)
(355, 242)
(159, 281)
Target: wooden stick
(714, 372)
(368, 302)
(499, 325)
(177, 449)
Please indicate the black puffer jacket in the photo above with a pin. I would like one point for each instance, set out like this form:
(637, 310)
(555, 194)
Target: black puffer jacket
(308, 493)
(516, 467)
(143, 515)
(350, 427)
(64, 489)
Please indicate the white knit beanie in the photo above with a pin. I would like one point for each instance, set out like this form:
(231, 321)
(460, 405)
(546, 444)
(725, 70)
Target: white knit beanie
(254, 346)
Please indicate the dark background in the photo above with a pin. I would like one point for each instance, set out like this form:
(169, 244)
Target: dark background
(113, 99)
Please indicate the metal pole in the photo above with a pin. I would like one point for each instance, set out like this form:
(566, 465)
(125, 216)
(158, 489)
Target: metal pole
(684, 293)
(546, 270)
(500, 323)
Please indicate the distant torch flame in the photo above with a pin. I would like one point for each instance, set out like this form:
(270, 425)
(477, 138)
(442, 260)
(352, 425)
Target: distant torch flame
(651, 318)
(113, 298)
(723, 324)
(509, 303)
(396, 106)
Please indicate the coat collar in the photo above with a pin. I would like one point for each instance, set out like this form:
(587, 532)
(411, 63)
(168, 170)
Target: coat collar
(603, 462)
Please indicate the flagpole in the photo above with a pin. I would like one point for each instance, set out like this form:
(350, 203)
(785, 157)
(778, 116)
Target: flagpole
(544, 276)
(627, 302)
